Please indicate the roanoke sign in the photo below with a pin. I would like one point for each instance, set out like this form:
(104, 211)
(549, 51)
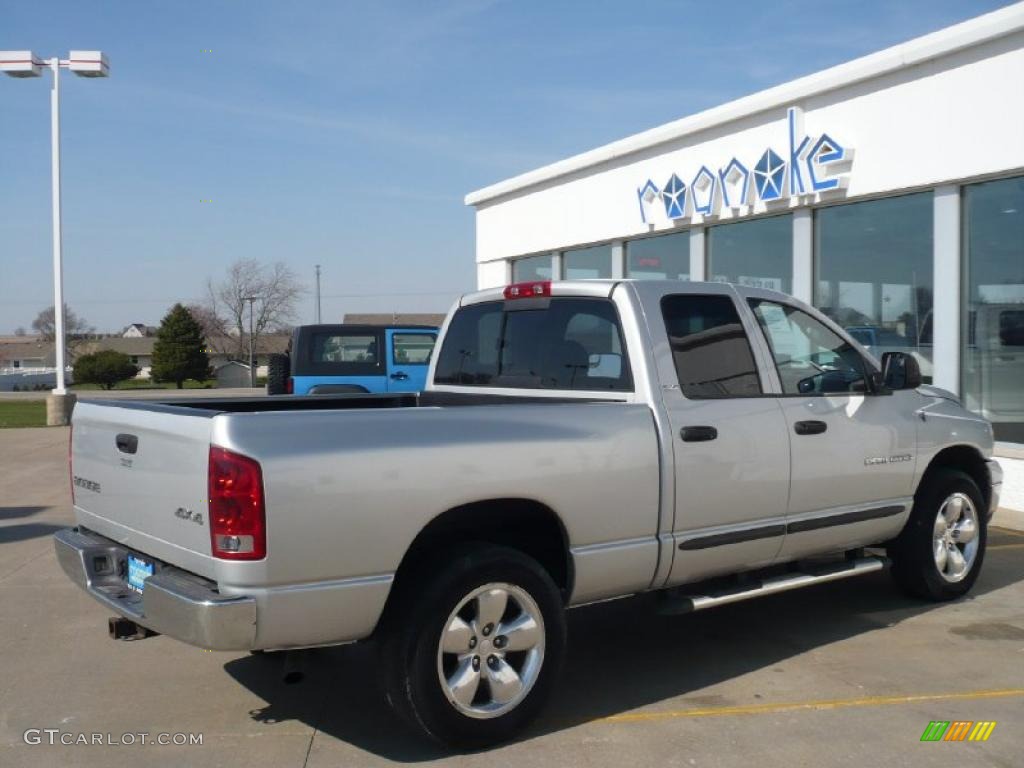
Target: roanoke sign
(812, 165)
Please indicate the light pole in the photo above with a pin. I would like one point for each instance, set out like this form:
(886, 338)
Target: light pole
(252, 345)
(84, 64)
(318, 294)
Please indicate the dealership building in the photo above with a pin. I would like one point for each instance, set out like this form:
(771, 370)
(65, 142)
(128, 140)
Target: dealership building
(888, 192)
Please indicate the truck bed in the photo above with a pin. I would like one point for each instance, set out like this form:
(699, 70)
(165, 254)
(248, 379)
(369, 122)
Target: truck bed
(211, 406)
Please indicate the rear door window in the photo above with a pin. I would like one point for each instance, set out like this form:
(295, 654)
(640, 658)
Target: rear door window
(710, 349)
(568, 344)
(412, 348)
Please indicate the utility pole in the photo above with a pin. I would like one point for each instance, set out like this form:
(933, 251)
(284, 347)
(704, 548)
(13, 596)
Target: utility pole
(318, 294)
(252, 341)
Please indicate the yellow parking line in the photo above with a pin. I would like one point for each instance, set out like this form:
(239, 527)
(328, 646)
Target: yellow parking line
(760, 709)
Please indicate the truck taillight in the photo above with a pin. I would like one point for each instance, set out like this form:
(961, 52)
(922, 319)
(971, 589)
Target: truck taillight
(289, 387)
(528, 290)
(238, 529)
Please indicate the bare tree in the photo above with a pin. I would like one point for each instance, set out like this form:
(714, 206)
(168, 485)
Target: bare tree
(215, 331)
(20, 331)
(277, 290)
(76, 329)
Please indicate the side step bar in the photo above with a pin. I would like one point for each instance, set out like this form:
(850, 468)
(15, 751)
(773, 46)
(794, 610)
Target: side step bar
(774, 585)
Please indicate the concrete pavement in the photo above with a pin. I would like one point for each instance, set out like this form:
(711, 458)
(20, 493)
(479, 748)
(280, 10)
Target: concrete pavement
(838, 675)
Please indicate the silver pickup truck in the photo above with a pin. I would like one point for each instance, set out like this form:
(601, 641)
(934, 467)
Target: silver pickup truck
(577, 441)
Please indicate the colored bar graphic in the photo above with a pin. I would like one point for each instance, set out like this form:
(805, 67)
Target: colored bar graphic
(982, 730)
(958, 730)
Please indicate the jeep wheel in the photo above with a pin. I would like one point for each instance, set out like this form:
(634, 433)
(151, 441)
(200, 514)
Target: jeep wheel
(939, 553)
(471, 654)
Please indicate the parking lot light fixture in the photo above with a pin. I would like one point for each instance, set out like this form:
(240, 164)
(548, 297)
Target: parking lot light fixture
(85, 64)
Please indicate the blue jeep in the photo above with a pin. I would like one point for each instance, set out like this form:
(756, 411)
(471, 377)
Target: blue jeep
(329, 359)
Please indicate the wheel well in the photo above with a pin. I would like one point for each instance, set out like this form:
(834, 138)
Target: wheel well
(966, 459)
(529, 526)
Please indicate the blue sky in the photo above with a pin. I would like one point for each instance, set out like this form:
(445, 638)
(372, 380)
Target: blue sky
(348, 133)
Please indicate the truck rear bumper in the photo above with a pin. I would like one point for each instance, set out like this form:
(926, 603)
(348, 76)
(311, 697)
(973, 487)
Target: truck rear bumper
(174, 602)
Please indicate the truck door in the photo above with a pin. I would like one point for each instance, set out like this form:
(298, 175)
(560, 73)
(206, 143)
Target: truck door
(729, 440)
(409, 358)
(853, 452)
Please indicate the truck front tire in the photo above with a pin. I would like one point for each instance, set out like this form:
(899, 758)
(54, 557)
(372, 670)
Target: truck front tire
(472, 644)
(938, 554)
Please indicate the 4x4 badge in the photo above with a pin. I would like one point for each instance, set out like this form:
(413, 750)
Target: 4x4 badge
(188, 514)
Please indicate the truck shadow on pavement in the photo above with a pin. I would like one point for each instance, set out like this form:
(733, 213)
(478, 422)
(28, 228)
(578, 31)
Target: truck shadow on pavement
(10, 534)
(16, 513)
(622, 655)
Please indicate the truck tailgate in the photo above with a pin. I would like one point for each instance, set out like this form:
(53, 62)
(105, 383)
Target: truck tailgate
(140, 478)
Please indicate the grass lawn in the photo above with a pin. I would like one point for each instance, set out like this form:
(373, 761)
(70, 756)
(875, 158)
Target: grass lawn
(23, 413)
(145, 384)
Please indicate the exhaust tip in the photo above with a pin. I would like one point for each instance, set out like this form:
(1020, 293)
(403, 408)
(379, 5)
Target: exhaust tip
(121, 628)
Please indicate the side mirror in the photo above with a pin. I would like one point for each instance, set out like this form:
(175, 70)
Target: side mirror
(900, 370)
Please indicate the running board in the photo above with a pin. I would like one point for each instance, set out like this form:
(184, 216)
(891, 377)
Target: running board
(687, 603)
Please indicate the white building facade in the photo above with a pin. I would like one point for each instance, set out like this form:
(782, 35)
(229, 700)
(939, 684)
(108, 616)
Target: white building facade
(888, 192)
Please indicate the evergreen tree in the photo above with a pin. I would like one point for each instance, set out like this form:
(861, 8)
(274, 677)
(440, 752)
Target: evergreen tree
(178, 353)
(105, 368)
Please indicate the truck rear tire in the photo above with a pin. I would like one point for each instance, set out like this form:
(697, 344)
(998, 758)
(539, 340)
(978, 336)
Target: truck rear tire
(939, 553)
(472, 644)
(278, 371)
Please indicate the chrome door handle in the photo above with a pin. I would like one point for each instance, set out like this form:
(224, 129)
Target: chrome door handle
(400, 376)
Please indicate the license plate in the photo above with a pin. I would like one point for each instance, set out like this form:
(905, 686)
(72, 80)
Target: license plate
(138, 571)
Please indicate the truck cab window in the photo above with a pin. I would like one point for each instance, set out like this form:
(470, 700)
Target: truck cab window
(710, 349)
(809, 356)
(571, 344)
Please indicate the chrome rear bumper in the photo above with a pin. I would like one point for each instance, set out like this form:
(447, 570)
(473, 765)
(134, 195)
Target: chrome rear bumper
(173, 602)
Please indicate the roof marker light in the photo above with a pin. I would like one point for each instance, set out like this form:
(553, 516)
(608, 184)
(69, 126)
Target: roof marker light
(531, 290)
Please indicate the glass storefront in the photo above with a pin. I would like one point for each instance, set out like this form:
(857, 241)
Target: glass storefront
(532, 268)
(874, 273)
(992, 354)
(585, 263)
(666, 257)
(756, 253)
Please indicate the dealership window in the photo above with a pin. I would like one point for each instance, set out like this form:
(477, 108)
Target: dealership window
(873, 262)
(532, 268)
(993, 336)
(659, 258)
(585, 263)
(757, 253)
